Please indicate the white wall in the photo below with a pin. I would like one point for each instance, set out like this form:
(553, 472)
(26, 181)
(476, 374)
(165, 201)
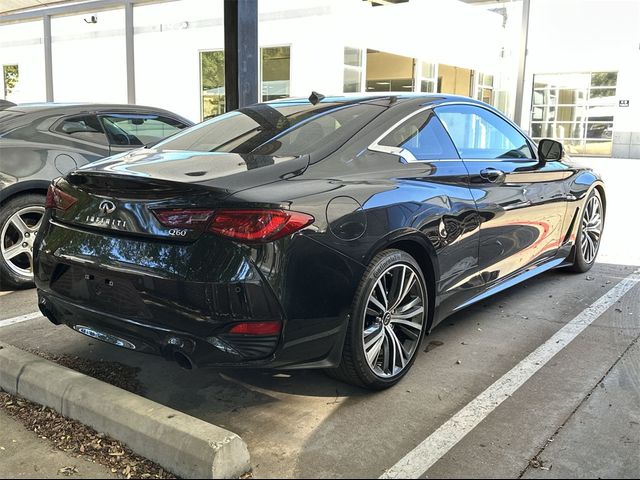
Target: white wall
(88, 59)
(569, 36)
(21, 44)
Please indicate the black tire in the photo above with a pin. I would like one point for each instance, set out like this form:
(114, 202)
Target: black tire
(9, 278)
(580, 263)
(354, 368)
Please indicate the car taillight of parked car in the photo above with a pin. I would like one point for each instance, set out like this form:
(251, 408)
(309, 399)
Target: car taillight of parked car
(58, 199)
(245, 225)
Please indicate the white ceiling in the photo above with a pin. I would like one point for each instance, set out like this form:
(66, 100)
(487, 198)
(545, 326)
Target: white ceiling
(7, 6)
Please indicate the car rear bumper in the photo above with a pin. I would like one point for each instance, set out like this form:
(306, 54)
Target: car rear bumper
(96, 285)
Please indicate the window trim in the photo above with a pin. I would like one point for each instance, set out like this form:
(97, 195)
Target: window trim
(408, 157)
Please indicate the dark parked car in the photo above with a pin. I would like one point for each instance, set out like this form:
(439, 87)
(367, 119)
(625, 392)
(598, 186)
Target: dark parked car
(306, 234)
(39, 142)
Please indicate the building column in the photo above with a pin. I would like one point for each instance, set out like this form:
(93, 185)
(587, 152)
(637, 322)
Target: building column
(240, 53)
(522, 61)
(48, 63)
(130, 54)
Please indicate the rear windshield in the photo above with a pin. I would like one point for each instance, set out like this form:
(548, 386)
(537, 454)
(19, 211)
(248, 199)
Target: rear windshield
(282, 129)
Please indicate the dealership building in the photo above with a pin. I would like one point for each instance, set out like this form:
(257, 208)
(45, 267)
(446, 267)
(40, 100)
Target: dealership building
(580, 82)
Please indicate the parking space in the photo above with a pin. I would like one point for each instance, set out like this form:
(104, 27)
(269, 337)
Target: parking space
(303, 424)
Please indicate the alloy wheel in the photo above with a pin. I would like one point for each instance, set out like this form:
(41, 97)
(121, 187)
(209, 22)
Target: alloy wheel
(394, 320)
(591, 229)
(17, 237)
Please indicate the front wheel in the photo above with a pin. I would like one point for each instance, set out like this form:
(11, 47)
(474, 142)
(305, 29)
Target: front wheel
(589, 234)
(388, 322)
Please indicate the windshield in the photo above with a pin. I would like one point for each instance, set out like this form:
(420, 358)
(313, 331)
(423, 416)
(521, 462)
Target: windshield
(285, 128)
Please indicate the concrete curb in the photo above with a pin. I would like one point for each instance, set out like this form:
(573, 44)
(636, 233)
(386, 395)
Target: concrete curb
(184, 445)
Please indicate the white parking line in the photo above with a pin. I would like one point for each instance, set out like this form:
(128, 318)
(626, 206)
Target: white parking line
(20, 319)
(433, 448)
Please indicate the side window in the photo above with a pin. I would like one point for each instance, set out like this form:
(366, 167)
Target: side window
(82, 127)
(479, 133)
(424, 136)
(138, 130)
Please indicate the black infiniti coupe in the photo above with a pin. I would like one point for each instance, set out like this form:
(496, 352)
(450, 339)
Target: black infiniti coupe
(39, 142)
(324, 233)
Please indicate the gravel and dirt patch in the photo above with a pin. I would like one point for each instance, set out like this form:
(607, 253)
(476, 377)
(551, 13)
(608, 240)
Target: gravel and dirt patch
(78, 440)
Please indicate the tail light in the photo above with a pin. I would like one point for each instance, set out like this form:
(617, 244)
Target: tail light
(176, 218)
(258, 225)
(256, 328)
(255, 225)
(58, 199)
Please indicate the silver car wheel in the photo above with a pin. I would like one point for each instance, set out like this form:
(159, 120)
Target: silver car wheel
(591, 229)
(394, 320)
(17, 237)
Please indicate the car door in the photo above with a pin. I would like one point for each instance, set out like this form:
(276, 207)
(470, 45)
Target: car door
(521, 201)
(433, 182)
(127, 131)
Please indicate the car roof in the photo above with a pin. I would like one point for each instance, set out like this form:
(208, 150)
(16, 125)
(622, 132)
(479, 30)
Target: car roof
(28, 108)
(389, 98)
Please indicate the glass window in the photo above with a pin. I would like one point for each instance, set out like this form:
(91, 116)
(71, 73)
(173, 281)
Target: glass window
(424, 136)
(604, 79)
(427, 77)
(352, 70)
(10, 75)
(276, 72)
(212, 83)
(575, 107)
(139, 130)
(353, 57)
(484, 87)
(279, 129)
(479, 133)
(82, 127)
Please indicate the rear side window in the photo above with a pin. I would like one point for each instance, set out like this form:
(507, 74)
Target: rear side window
(424, 136)
(82, 127)
(481, 134)
(138, 130)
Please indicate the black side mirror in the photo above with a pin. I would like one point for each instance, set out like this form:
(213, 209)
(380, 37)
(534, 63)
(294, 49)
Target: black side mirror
(550, 150)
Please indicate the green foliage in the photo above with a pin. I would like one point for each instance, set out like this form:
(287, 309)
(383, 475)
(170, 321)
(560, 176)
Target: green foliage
(212, 69)
(11, 75)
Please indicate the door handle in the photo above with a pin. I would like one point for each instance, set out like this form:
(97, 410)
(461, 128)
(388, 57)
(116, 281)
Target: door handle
(492, 174)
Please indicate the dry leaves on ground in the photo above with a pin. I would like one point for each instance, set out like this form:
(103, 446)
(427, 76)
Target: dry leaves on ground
(79, 440)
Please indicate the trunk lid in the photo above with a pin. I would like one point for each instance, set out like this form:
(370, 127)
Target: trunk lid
(121, 193)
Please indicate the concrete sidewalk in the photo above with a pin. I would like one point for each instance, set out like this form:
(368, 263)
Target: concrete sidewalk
(25, 455)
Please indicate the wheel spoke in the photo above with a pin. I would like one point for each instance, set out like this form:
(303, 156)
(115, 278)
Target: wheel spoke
(413, 313)
(377, 303)
(372, 349)
(399, 351)
(406, 323)
(405, 288)
(384, 294)
(19, 224)
(14, 251)
(409, 305)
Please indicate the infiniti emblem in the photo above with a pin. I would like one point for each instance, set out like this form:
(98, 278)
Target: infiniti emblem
(107, 207)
